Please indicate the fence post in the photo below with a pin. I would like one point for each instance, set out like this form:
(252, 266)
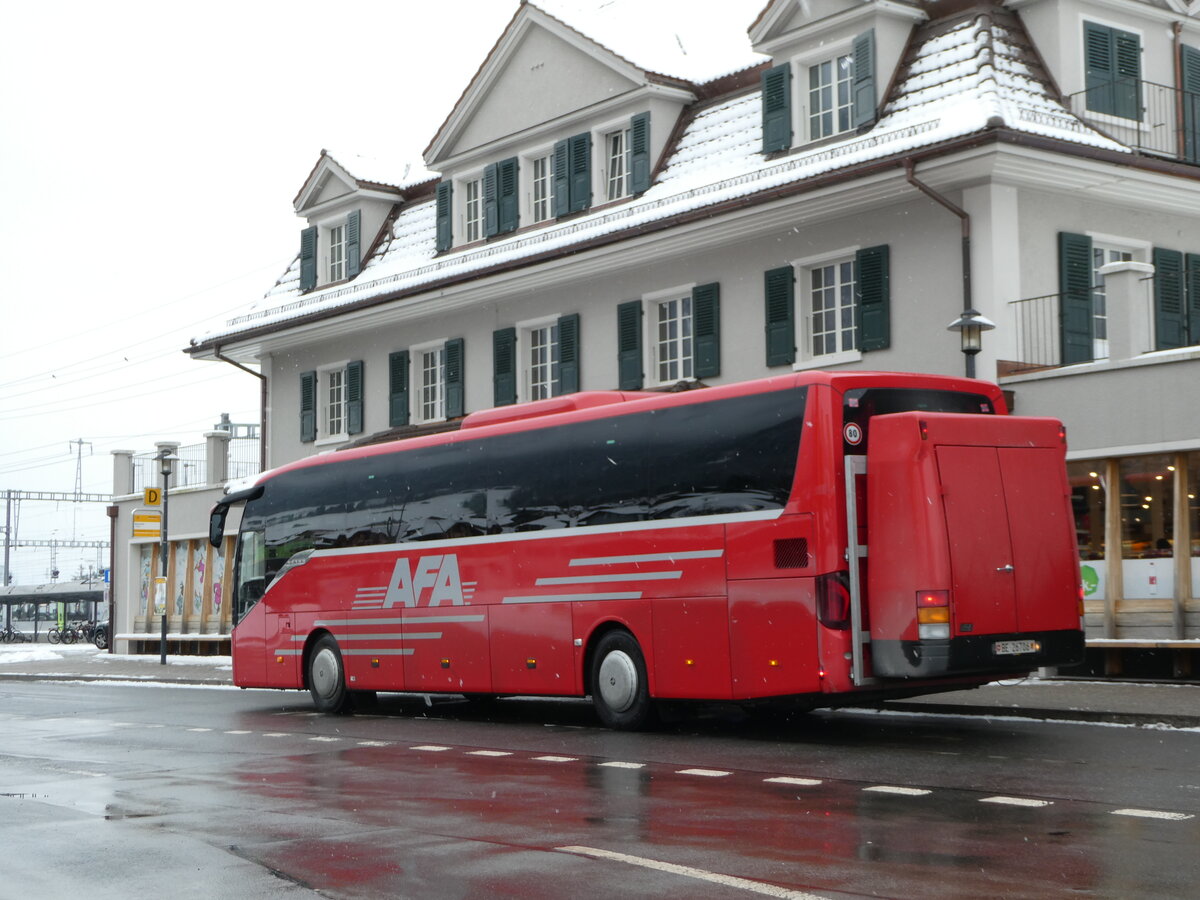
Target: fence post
(122, 472)
(216, 457)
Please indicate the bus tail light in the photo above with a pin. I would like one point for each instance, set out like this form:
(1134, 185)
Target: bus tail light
(933, 615)
(833, 600)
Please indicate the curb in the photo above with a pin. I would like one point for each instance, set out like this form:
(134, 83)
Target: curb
(1065, 715)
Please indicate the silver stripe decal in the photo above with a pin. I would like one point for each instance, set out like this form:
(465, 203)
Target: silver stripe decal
(396, 620)
(407, 651)
(381, 636)
(569, 598)
(647, 557)
(766, 515)
(600, 579)
(287, 652)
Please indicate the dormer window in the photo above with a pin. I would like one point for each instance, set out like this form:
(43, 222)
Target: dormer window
(542, 187)
(473, 211)
(830, 97)
(616, 145)
(337, 253)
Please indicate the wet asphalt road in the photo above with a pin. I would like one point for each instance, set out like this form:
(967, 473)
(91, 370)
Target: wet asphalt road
(124, 790)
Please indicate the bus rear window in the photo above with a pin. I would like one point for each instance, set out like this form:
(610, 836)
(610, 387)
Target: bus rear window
(858, 406)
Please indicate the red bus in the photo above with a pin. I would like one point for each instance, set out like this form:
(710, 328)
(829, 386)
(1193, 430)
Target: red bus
(815, 538)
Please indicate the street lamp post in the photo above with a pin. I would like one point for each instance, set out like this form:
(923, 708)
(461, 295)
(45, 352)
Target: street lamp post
(971, 325)
(166, 461)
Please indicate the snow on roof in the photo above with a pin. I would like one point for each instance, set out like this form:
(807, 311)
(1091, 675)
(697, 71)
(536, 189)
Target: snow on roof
(381, 170)
(957, 82)
(669, 37)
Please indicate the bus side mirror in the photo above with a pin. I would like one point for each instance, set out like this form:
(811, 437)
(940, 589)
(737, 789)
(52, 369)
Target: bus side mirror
(216, 524)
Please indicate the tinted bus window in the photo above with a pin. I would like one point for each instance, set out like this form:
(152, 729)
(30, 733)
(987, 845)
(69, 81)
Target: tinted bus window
(858, 406)
(302, 510)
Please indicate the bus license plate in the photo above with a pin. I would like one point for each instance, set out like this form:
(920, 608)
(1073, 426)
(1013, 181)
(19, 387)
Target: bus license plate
(1014, 648)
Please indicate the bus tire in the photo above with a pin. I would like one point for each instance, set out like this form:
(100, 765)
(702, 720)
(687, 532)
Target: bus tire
(620, 691)
(327, 677)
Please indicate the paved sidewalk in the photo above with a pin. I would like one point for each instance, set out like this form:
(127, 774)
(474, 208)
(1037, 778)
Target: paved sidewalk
(1140, 703)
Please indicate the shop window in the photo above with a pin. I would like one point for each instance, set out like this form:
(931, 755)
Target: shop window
(1147, 506)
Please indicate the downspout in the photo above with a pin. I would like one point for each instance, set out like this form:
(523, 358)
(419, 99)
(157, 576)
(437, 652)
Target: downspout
(262, 405)
(965, 218)
(112, 512)
(1180, 134)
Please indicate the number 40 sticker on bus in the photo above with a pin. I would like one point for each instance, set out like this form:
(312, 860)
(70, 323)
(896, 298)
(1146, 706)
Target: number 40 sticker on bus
(815, 539)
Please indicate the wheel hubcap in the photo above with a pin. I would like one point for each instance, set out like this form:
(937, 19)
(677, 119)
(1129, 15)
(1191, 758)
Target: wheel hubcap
(325, 673)
(618, 681)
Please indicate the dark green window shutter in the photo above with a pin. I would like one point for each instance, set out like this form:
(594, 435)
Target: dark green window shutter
(445, 210)
(398, 388)
(1190, 68)
(504, 366)
(706, 327)
(864, 94)
(1113, 71)
(455, 385)
(491, 201)
(308, 259)
(629, 346)
(1074, 298)
(777, 108)
(308, 407)
(353, 243)
(1169, 325)
(508, 205)
(1192, 290)
(779, 288)
(639, 153)
(562, 178)
(568, 354)
(354, 397)
(873, 310)
(580, 170)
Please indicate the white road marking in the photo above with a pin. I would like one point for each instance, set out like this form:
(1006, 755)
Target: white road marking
(901, 791)
(275, 734)
(1153, 814)
(488, 753)
(799, 782)
(430, 748)
(623, 765)
(1016, 801)
(706, 773)
(374, 743)
(237, 732)
(325, 739)
(557, 758)
(745, 884)
(199, 729)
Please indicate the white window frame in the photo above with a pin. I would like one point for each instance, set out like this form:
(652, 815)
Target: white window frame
(1139, 251)
(471, 213)
(532, 200)
(616, 175)
(335, 261)
(416, 357)
(525, 346)
(653, 356)
(325, 403)
(801, 64)
(805, 357)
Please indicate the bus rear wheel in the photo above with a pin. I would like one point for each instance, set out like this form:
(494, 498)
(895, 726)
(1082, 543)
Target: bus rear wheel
(327, 677)
(620, 691)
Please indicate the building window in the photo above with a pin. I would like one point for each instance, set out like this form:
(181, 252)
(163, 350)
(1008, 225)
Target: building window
(616, 145)
(543, 362)
(333, 402)
(337, 253)
(831, 308)
(474, 210)
(543, 188)
(433, 383)
(673, 346)
(830, 97)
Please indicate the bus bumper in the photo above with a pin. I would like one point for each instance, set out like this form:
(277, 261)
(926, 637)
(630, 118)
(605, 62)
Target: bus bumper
(999, 653)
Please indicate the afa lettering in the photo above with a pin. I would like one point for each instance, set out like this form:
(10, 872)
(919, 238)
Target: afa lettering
(436, 574)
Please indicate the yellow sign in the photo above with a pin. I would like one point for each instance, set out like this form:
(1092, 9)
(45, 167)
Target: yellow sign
(147, 523)
(152, 496)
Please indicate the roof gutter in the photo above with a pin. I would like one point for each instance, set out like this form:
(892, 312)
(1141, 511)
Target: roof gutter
(262, 404)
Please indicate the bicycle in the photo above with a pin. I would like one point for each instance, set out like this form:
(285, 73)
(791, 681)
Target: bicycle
(10, 635)
(61, 635)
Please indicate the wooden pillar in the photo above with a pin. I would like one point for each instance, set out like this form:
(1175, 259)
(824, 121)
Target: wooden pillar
(1114, 575)
(1182, 545)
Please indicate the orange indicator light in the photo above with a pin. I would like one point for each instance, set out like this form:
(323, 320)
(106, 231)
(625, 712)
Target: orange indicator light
(930, 615)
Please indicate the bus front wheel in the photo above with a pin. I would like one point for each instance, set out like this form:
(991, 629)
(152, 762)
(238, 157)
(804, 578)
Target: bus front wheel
(327, 677)
(620, 692)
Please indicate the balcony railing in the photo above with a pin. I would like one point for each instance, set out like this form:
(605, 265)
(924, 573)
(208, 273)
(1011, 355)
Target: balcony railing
(191, 469)
(1151, 119)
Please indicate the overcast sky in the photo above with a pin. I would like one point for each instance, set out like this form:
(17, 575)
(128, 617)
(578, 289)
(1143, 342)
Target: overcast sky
(150, 152)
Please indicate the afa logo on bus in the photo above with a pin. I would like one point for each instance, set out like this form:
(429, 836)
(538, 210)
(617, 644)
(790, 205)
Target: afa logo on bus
(437, 575)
